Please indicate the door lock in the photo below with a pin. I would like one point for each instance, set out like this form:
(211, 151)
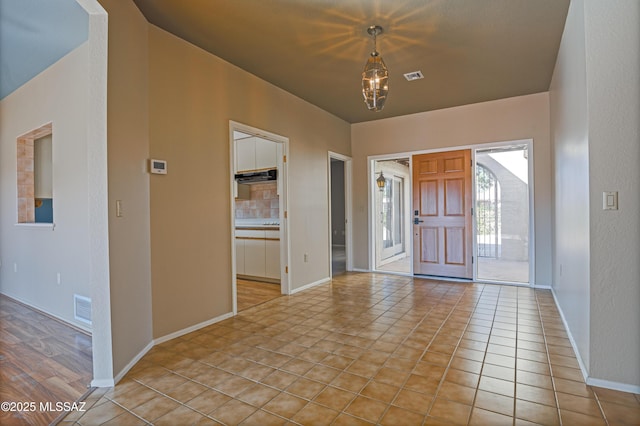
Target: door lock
(417, 221)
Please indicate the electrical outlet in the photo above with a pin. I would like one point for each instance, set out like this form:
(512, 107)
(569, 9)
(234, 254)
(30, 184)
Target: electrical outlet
(58, 277)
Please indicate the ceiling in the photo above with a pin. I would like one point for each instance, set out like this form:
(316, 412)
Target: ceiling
(34, 34)
(468, 50)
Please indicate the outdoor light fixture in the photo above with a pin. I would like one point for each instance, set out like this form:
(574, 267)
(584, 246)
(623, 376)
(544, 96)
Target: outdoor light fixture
(380, 181)
(375, 77)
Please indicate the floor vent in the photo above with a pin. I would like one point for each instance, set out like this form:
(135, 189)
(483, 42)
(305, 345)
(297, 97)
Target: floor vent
(82, 308)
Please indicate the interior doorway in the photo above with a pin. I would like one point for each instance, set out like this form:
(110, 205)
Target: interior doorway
(259, 218)
(339, 213)
(392, 209)
(502, 214)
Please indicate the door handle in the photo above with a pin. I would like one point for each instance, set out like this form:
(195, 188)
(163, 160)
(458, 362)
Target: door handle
(417, 221)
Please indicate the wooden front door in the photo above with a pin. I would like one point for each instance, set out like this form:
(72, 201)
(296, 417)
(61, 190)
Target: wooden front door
(442, 222)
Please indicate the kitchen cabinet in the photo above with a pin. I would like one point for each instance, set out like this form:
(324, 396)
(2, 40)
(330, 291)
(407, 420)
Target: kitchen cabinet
(258, 253)
(272, 254)
(256, 154)
(240, 256)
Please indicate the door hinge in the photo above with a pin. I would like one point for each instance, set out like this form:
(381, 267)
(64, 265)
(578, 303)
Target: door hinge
(284, 158)
(286, 269)
(472, 260)
(471, 211)
(285, 214)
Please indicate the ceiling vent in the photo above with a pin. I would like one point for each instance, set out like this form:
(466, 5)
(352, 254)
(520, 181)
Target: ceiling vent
(415, 75)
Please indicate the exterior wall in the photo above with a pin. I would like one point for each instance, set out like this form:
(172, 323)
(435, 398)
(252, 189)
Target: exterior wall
(525, 117)
(33, 256)
(192, 97)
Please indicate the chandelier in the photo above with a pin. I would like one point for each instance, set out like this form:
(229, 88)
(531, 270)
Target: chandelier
(375, 77)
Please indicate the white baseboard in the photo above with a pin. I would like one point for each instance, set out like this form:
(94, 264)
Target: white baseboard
(308, 286)
(591, 381)
(360, 270)
(104, 383)
(622, 387)
(192, 328)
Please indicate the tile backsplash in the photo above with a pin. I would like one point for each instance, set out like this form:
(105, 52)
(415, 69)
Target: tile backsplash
(262, 205)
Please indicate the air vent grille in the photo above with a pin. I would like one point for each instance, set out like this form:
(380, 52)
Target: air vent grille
(82, 308)
(415, 75)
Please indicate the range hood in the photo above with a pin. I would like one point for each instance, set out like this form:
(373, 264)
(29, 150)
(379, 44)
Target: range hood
(257, 177)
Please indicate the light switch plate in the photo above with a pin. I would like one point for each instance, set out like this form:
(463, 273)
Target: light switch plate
(610, 200)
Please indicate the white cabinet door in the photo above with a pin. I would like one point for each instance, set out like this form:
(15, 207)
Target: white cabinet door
(240, 256)
(245, 155)
(272, 254)
(266, 154)
(254, 258)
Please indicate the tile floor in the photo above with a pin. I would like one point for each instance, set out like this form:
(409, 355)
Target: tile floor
(370, 349)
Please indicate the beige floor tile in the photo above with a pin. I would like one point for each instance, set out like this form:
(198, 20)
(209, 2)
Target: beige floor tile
(155, 408)
(533, 379)
(458, 393)
(495, 402)
(573, 418)
(367, 349)
(536, 413)
(450, 411)
(535, 394)
(285, 405)
(258, 395)
(397, 416)
(617, 397)
(579, 404)
(314, 414)
(480, 417)
(233, 412)
(179, 415)
(334, 398)
(366, 408)
(101, 413)
(414, 401)
(208, 401)
(618, 414)
(380, 391)
(305, 388)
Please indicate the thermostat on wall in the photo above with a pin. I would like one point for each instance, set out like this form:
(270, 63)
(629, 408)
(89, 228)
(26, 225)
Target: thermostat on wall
(158, 167)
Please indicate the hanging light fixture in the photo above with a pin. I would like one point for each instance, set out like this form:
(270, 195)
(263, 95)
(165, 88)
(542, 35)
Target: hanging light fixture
(375, 77)
(380, 182)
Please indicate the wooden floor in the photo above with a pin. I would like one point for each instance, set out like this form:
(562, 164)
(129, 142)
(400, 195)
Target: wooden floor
(252, 293)
(41, 360)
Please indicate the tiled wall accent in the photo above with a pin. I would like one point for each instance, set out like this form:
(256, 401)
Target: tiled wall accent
(25, 175)
(26, 205)
(263, 203)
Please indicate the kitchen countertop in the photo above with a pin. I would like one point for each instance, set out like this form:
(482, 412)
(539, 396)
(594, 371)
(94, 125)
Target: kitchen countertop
(258, 224)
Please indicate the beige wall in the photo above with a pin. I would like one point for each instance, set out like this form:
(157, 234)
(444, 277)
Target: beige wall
(128, 151)
(525, 117)
(33, 256)
(192, 97)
